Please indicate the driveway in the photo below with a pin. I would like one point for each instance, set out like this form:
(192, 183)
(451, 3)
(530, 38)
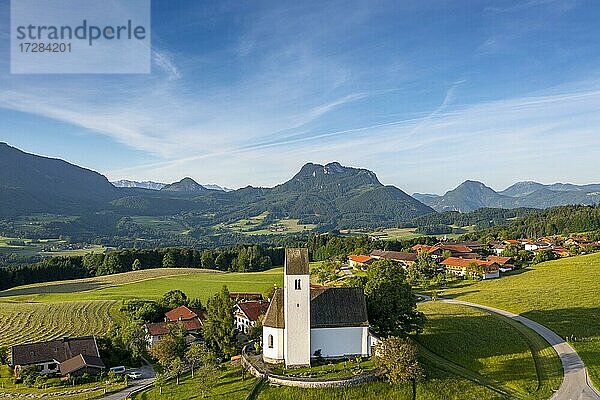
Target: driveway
(576, 384)
(148, 378)
(346, 270)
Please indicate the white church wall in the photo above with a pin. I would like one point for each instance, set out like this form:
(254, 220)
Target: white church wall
(275, 353)
(340, 342)
(297, 319)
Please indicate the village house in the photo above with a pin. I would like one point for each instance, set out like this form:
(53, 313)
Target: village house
(504, 263)
(242, 296)
(474, 246)
(191, 320)
(460, 267)
(535, 246)
(516, 243)
(437, 251)
(359, 261)
(581, 242)
(247, 313)
(497, 248)
(404, 259)
(302, 323)
(560, 251)
(66, 357)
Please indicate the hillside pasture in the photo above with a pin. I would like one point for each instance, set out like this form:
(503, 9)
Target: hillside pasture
(166, 224)
(255, 226)
(562, 295)
(506, 355)
(25, 247)
(88, 306)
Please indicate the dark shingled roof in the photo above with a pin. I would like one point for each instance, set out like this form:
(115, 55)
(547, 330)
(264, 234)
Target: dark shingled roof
(338, 307)
(59, 350)
(296, 261)
(394, 255)
(80, 361)
(329, 308)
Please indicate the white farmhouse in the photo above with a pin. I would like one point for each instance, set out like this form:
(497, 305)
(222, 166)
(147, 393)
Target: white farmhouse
(302, 321)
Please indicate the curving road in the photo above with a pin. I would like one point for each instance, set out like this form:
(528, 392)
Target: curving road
(576, 384)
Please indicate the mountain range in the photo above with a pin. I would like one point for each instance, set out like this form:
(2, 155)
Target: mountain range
(125, 183)
(330, 196)
(473, 195)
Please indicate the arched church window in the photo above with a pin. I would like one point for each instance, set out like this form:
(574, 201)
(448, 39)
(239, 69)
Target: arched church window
(297, 284)
(270, 341)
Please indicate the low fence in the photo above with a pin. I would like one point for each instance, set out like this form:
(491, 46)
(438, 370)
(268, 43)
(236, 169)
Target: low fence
(303, 382)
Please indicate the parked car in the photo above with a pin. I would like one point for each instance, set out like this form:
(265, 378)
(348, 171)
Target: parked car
(134, 375)
(118, 370)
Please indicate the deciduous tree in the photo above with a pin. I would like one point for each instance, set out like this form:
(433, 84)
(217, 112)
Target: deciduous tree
(398, 361)
(391, 305)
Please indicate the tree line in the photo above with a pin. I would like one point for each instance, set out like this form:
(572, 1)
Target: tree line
(553, 221)
(240, 258)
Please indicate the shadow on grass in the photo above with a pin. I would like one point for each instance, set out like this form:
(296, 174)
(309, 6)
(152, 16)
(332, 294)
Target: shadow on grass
(64, 287)
(579, 326)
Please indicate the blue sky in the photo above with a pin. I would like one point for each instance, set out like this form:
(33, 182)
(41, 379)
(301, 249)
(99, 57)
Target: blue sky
(425, 93)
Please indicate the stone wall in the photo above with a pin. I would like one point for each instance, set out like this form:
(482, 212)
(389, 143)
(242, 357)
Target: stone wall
(262, 373)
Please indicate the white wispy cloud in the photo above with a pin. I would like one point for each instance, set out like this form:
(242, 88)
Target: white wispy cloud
(164, 60)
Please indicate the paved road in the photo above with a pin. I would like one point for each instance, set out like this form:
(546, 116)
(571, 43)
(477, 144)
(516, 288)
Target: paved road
(148, 378)
(576, 384)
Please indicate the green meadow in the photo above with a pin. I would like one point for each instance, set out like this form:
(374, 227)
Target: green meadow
(89, 306)
(468, 353)
(563, 294)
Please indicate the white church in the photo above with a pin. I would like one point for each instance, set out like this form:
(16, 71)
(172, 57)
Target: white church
(300, 320)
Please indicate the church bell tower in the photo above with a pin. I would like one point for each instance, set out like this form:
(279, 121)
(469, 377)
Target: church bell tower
(296, 299)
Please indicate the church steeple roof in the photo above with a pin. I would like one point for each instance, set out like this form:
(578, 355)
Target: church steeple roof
(296, 261)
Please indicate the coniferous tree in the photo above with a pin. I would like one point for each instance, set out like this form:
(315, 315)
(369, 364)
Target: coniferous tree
(219, 329)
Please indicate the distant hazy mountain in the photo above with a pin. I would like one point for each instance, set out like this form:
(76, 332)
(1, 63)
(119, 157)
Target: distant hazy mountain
(186, 185)
(425, 197)
(217, 187)
(124, 183)
(470, 196)
(31, 183)
(521, 189)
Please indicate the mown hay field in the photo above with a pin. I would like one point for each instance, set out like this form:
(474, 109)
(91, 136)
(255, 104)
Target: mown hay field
(89, 306)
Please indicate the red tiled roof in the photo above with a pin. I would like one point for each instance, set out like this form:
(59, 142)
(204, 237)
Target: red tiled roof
(421, 247)
(254, 309)
(162, 328)
(458, 248)
(183, 313)
(499, 260)
(464, 262)
(359, 258)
